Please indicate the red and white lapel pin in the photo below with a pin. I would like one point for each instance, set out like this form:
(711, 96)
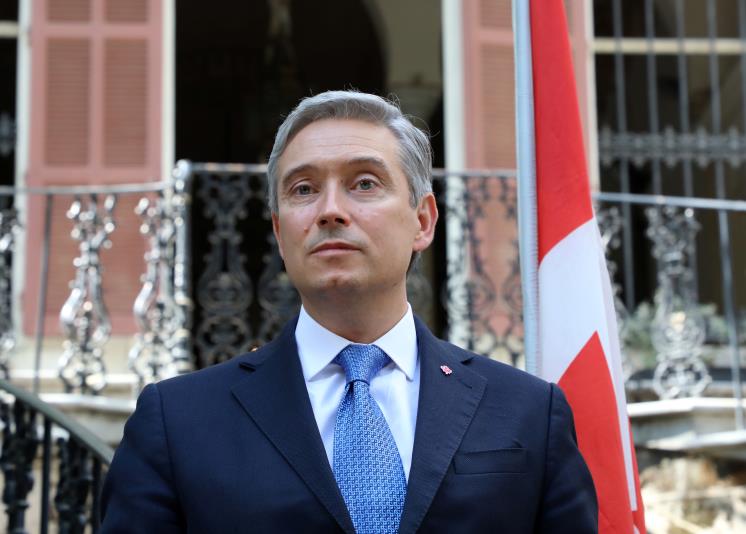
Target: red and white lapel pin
(446, 370)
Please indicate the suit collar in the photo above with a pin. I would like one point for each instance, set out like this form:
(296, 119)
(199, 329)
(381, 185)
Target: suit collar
(447, 404)
(274, 395)
(318, 346)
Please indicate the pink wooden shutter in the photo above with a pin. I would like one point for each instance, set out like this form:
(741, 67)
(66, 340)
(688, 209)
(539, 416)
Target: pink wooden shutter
(95, 119)
(489, 89)
(490, 135)
(490, 120)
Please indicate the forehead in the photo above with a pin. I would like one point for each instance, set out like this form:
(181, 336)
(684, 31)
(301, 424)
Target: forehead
(338, 140)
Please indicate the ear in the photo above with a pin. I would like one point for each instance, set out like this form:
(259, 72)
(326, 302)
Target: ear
(427, 216)
(276, 230)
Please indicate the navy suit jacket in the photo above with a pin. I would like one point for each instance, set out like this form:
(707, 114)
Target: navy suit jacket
(235, 448)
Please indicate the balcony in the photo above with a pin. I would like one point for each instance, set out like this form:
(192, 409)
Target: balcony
(213, 286)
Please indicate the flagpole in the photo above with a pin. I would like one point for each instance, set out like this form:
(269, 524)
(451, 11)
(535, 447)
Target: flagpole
(459, 326)
(525, 152)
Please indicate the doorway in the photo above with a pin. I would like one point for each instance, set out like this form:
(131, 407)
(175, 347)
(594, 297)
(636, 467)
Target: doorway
(241, 66)
(8, 77)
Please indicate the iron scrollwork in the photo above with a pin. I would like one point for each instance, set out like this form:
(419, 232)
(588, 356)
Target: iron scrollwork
(678, 328)
(243, 300)
(244, 297)
(155, 354)
(180, 202)
(470, 295)
(8, 228)
(29, 426)
(511, 340)
(84, 317)
(224, 290)
(276, 294)
(672, 147)
(20, 441)
(74, 486)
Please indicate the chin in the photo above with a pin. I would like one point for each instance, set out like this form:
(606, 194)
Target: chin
(338, 283)
(332, 286)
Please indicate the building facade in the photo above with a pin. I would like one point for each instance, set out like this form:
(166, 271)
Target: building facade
(116, 91)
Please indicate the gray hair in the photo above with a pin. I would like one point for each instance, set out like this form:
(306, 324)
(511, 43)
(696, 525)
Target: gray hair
(414, 145)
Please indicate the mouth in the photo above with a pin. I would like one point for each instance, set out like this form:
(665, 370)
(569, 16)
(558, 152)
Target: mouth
(332, 247)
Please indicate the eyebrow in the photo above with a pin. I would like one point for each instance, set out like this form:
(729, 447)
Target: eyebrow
(304, 167)
(360, 161)
(371, 161)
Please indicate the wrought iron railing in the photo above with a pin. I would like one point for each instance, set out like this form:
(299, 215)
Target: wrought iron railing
(71, 458)
(218, 240)
(161, 309)
(209, 239)
(679, 329)
(673, 123)
(462, 289)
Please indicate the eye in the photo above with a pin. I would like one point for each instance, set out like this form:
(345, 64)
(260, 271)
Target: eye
(365, 184)
(302, 189)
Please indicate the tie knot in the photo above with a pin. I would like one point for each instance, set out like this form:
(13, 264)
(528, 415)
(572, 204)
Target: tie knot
(361, 362)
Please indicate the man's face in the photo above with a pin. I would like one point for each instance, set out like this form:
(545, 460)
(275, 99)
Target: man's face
(345, 222)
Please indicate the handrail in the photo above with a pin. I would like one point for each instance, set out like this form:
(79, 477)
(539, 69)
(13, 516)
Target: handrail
(212, 166)
(103, 189)
(474, 173)
(668, 200)
(84, 436)
(260, 168)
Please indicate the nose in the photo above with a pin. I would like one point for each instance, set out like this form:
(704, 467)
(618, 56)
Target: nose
(332, 210)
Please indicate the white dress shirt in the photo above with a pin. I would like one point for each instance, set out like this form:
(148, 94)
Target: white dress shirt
(395, 388)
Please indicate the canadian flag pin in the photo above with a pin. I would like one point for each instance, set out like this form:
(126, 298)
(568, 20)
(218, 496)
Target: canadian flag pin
(446, 370)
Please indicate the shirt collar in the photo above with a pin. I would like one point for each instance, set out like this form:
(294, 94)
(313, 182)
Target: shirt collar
(317, 346)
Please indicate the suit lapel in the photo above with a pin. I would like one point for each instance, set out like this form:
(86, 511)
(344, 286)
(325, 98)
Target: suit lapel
(275, 397)
(447, 403)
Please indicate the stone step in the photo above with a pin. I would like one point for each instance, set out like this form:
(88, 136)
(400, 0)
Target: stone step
(699, 424)
(639, 386)
(102, 415)
(119, 385)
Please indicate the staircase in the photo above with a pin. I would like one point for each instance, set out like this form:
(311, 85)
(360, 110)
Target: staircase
(105, 414)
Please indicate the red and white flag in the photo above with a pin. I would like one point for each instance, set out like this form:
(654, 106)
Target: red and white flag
(576, 338)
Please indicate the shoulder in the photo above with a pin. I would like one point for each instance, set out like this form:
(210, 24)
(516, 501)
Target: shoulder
(500, 378)
(215, 378)
(507, 389)
(213, 384)
(495, 372)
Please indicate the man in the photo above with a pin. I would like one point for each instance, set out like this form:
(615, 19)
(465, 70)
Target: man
(356, 418)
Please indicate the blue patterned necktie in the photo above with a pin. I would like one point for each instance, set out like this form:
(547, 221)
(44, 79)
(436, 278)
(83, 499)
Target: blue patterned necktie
(367, 464)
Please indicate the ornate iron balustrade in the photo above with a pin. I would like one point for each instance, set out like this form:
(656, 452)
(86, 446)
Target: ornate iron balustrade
(8, 230)
(466, 286)
(672, 123)
(84, 317)
(162, 308)
(243, 295)
(675, 329)
(672, 147)
(72, 459)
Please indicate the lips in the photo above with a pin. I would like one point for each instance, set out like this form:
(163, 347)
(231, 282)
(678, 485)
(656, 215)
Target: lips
(333, 246)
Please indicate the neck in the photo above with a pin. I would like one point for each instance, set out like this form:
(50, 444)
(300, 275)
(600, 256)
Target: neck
(355, 319)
